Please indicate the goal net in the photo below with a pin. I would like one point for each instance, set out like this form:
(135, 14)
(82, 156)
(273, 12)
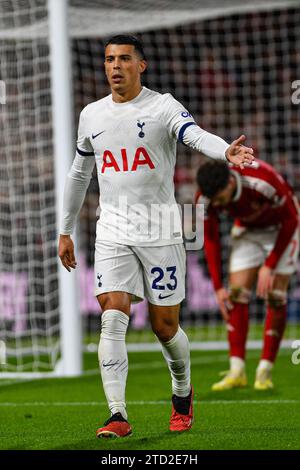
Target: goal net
(29, 325)
(233, 66)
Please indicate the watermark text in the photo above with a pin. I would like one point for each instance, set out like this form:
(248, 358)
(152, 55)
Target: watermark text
(296, 94)
(2, 352)
(2, 92)
(296, 354)
(155, 222)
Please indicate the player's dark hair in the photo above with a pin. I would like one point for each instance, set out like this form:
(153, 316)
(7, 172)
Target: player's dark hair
(212, 177)
(128, 39)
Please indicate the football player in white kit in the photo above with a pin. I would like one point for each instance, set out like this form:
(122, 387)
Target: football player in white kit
(132, 135)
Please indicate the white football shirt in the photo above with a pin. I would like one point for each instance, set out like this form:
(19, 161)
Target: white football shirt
(134, 146)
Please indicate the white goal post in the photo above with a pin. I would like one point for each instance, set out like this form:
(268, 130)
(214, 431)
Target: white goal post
(65, 350)
(70, 320)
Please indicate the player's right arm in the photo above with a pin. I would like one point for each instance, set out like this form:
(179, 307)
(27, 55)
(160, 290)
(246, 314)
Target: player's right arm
(212, 250)
(66, 252)
(77, 182)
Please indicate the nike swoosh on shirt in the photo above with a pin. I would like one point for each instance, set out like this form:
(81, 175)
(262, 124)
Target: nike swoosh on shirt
(96, 135)
(164, 296)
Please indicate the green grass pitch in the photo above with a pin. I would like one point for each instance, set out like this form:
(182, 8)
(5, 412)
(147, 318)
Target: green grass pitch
(64, 413)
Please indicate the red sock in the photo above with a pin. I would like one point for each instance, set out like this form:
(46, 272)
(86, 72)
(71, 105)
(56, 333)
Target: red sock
(273, 332)
(238, 329)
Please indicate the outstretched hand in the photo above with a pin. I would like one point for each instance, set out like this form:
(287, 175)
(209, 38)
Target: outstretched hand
(66, 252)
(238, 154)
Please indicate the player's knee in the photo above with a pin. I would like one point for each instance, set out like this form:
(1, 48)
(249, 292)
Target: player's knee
(239, 295)
(114, 301)
(276, 298)
(114, 325)
(164, 332)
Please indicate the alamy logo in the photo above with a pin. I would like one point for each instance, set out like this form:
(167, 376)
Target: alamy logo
(141, 125)
(296, 353)
(2, 352)
(2, 92)
(296, 94)
(99, 276)
(163, 222)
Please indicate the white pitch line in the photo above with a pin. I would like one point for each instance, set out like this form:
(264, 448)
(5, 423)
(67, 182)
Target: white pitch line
(142, 403)
(161, 364)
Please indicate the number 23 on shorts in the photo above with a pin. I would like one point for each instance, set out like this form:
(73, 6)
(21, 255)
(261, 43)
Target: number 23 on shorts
(169, 278)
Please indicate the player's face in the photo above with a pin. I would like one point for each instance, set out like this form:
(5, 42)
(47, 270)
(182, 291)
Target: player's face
(123, 67)
(223, 197)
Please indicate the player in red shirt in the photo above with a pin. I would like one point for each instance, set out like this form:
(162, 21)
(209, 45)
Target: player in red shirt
(265, 247)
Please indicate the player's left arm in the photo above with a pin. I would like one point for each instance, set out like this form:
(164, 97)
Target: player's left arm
(289, 219)
(187, 131)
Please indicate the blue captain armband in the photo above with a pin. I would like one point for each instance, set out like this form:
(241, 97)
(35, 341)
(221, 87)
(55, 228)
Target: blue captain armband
(183, 129)
(84, 154)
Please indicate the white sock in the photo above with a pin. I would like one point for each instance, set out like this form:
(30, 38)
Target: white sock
(177, 354)
(265, 364)
(113, 359)
(237, 364)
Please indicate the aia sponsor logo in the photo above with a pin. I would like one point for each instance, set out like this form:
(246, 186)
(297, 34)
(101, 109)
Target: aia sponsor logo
(141, 158)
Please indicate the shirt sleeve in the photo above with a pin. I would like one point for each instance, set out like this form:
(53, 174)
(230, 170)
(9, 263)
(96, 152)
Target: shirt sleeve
(77, 180)
(182, 125)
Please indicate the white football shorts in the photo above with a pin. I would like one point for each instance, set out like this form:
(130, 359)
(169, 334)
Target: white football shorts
(252, 248)
(157, 273)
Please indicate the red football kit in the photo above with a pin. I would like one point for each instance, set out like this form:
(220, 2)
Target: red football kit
(263, 199)
(264, 232)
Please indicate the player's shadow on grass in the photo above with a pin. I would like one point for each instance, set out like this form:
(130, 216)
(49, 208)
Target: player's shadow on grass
(132, 442)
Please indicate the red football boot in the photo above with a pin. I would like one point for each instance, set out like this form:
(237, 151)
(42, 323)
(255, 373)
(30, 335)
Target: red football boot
(182, 412)
(115, 426)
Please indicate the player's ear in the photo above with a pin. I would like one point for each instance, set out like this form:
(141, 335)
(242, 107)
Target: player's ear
(143, 66)
(231, 180)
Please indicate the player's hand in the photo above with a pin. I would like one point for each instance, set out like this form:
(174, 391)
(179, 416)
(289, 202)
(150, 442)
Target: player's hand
(265, 281)
(66, 252)
(238, 154)
(223, 299)
(237, 231)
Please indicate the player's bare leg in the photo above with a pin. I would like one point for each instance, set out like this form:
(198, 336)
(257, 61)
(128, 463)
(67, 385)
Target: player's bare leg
(240, 284)
(175, 346)
(275, 322)
(113, 361)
